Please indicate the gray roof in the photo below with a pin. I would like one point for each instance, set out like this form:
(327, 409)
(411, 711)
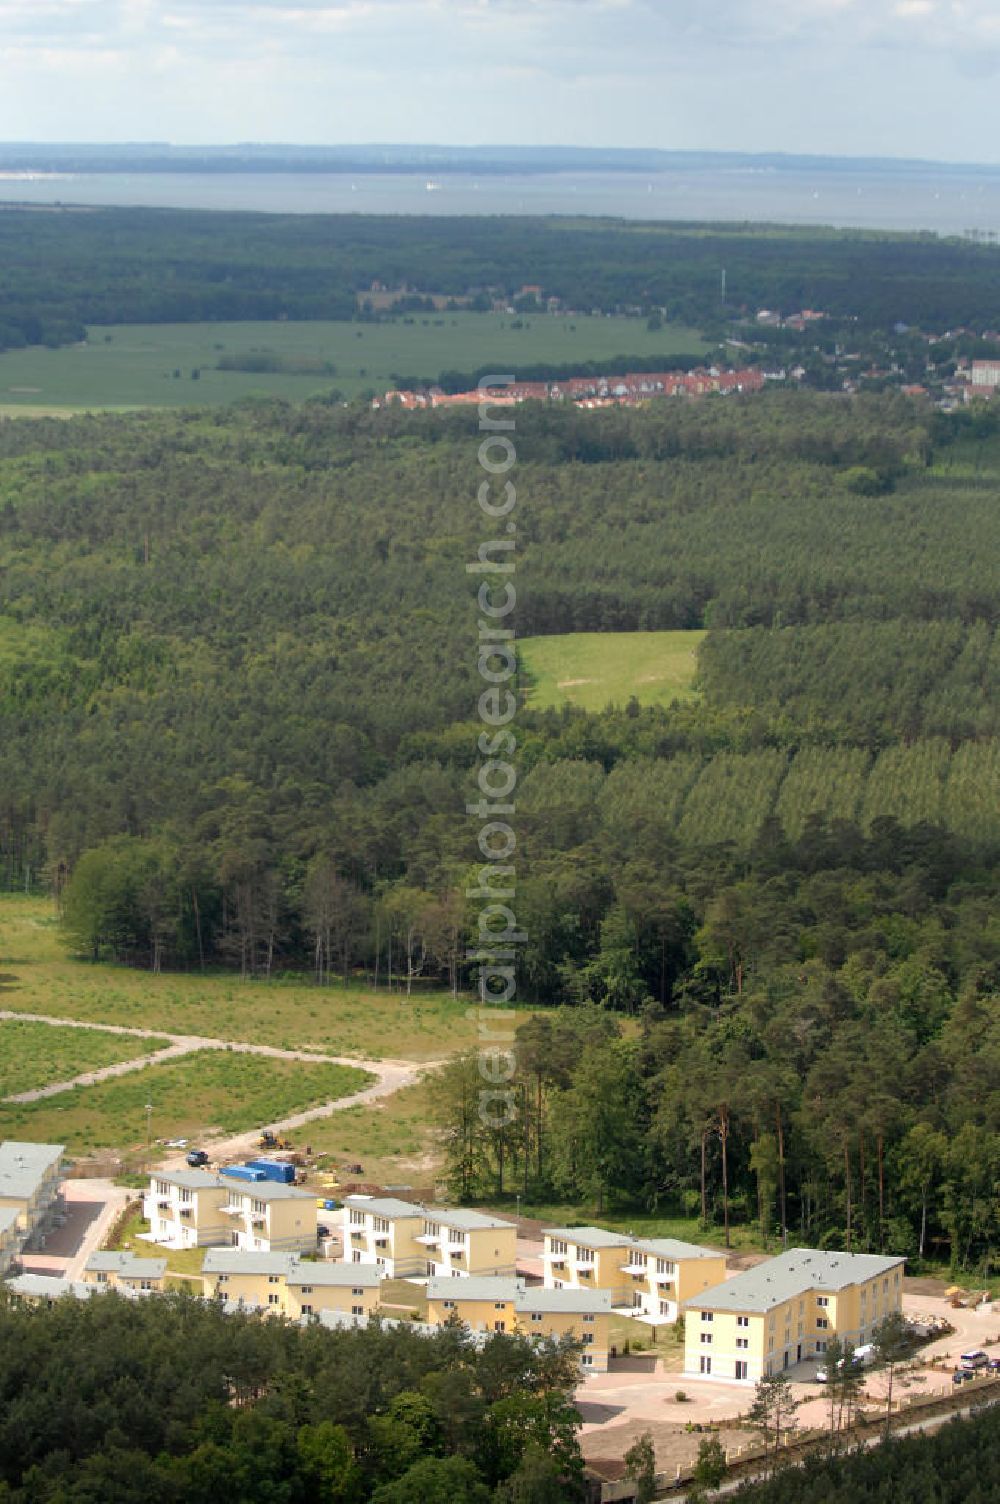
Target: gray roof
(385, 1206)
(791, 1274)
(674, 1248)
(475, 1287)
(51, 1286)
(347, 1275)
(189, 1180)
(565, 1302)
(127, 1264)
(449, 1216)
(266, 1190)
(590, 1237)
(23, 1165)
(245, 1261)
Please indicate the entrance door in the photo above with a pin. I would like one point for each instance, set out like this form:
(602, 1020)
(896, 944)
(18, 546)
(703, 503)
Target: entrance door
(798, 1353)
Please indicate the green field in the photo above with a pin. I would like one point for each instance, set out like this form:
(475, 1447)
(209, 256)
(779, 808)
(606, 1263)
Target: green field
(38, 976)
(594, 669)
(34, 1055)
(133, 365)
(211, 1089)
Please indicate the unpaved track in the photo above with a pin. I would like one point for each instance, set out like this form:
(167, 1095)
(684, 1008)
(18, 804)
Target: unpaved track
(391, 1075)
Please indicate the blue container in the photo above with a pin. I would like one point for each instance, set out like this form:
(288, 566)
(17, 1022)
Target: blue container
(274, 1169)
(243, 1172)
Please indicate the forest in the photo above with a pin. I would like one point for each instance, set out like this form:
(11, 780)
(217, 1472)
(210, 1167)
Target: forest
(959, 1464)
(237, 654)
(67, 268)
(171, 1401)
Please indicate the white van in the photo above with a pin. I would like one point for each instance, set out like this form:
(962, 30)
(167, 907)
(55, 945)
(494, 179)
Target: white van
(862, 1357)
(973, 1360)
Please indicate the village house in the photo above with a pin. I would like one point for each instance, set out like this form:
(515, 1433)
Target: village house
(286, 1285)
(184, 1209)
(466, 1243)
(488, 1305)
(649, 1277)
(270, 1217)
(125, 1272)
(46, 1289)
(383, 1230)
(30, 1176)
(10, 1242)
(786, 1311)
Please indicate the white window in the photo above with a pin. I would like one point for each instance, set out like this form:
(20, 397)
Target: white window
(536, 1315)
(274, 1300)
(499, 1326)
(356, 1256)
(666, 1266)
(588, 1318)
(223, 1278)
(307, 1310)
(357, 1218)
(449, 1305)
(770, 1344)
(743, 1342)
(588, 1338)
(822, 1300)
(357, 1310)
(358, 1292)
(558, 1245)
(587, 1361)
(258, 1208)
(499, 1305)
(821, 1323)
(664, 1308)
(585, 1255)
(742, 1368)
(706, 1364)
(708, 1315)
(273, 1279)
(706, 1337)
(145, 1284)
(380, 1224)
(102, 1279)
(306, 1290)
(743, 1321)
(186, 1196)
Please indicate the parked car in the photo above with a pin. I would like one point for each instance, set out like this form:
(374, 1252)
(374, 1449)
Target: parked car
(321, 1231)
(177, 1143)
(960, 1376)
(973, 1360)
(196, 1158)
(994, 1365)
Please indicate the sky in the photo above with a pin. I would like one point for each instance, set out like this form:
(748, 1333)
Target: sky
(916, 78)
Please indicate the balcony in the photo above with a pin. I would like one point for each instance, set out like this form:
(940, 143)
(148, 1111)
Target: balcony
(633, 1268)
(428, 1239)
(584, 1266)
(232, 1209)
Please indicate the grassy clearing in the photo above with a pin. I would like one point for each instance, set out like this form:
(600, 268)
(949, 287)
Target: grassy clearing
(37, 976)
(593, 669)
(134, 365)
(394, 1139)
(35, 1055)
(211, 1089)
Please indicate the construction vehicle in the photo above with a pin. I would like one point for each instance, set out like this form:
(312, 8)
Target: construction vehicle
(269, 1140)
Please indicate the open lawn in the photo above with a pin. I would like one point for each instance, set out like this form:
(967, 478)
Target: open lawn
(594, 669)
(34, 1055)
(393, 1139)
(151, 365)
(179, 1260)
(210, 1089)
(38, 976)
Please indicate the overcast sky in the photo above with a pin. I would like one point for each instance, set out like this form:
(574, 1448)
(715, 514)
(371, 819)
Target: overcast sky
(855, 77)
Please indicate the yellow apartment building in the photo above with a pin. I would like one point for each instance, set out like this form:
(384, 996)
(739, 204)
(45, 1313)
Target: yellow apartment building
(465, 1244)
(10, 1243)
(268, 1217)
(184, 1209)
(664, 1273)
(383, 1230)
(125, 1272)
(587, 1258)
(286, 1285)
(46, 1289)
(30, 1176)
(649, 1278)
(501, 1304)
(786, 1310)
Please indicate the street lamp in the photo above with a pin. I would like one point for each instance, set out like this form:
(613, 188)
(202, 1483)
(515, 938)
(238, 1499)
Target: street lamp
(149, 1125)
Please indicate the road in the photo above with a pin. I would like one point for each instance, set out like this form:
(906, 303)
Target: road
(91, 1208)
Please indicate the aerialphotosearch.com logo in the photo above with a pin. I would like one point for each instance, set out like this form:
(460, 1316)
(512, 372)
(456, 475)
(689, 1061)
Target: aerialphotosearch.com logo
(498, 934)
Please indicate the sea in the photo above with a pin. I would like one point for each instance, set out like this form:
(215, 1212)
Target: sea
(945, 201)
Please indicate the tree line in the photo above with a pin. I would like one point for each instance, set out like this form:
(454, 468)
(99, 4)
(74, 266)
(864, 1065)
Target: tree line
(170, 1401)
